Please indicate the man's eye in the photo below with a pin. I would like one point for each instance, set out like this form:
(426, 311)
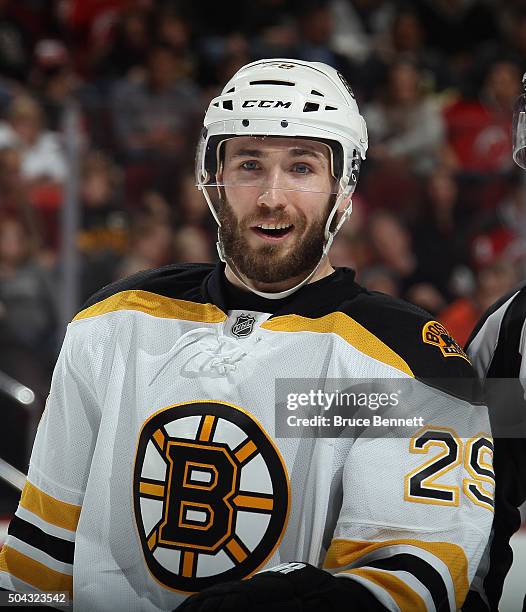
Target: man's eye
(301, 168)
(249, 165)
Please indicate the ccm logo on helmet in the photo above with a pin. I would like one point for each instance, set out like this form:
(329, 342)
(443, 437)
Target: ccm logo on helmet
(265, 104)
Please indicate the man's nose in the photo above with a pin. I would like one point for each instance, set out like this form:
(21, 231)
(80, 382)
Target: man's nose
(273, 198)
(273, 192)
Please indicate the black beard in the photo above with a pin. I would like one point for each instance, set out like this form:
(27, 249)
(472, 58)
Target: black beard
(265, 264)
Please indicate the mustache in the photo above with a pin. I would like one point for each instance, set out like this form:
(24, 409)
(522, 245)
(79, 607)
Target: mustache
(256, 219)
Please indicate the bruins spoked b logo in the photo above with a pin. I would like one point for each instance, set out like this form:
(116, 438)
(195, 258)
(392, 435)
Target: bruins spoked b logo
(211, 495)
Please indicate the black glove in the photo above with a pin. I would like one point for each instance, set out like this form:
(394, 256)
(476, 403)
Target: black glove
(290, 587)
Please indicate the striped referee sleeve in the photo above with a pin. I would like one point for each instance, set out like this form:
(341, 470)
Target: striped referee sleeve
(497, 348)
(38, 552)
(495, 344)
(407, 575)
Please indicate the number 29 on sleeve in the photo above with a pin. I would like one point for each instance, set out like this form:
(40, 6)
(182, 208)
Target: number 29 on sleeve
(448, 452)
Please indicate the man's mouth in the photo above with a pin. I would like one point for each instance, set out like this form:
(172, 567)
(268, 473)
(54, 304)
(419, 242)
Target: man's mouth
(273, 231)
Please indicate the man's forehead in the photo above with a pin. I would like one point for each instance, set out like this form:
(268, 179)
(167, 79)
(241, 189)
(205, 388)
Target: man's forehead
(267, 144)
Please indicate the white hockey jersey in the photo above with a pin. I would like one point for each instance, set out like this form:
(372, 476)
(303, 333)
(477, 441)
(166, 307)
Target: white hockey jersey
(156, 470)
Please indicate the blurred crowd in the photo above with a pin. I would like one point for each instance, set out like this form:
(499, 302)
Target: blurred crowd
(440, 213)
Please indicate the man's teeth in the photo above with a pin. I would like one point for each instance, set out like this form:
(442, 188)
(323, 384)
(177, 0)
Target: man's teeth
(278, 226)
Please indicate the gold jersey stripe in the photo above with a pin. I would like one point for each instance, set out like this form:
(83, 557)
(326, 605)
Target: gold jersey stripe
(406, 599)
(348, 329)
(155, 305)
(149, 488)
(344, 552)
(33, 572)
(258, 503)
(49, 508)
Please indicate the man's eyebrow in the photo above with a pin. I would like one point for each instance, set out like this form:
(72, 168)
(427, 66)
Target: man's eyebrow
(248, 153)
(295, 152)
(304, 152)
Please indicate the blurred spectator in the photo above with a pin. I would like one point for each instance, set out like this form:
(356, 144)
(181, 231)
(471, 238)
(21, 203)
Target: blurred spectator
(224, 19)
(404, 123)
(25, 129)
(358, 24)
(191, 244)
(406, 37)
(511, 44)
(350, 248)
(151, 116)
(405, 40)
(479, 133)
(28, 334)
(52, 80)
(220, 58)
(391, 248)
(492, 282)
(157, 208)
(277, 40)
(316, 26)
(438, 237)
(15, 42)
(104, 222)
(13, 189)
(103, 236)
(150, 247)
(494, 270)
(241, 32)
(28, 313)
(192, 208)
(512, 213)
(128, 47)
(342, 253)
(479, 138)
(236, 55)
(154, 124)
(173, 30)
(88, 26)
(495, 242)
(265, 15)
(380, 278)
(14, 194)
(457, 26)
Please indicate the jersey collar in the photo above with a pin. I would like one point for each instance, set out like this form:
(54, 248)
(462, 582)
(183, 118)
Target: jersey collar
(312, 300)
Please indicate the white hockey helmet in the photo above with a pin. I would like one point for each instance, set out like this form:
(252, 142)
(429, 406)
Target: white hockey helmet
(519, 128)
(286, 98)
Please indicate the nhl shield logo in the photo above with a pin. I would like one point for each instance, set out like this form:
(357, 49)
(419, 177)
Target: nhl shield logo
(243, 326)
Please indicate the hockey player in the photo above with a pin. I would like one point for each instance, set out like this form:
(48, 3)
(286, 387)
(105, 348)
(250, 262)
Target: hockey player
(158, 472)
(497, 347)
